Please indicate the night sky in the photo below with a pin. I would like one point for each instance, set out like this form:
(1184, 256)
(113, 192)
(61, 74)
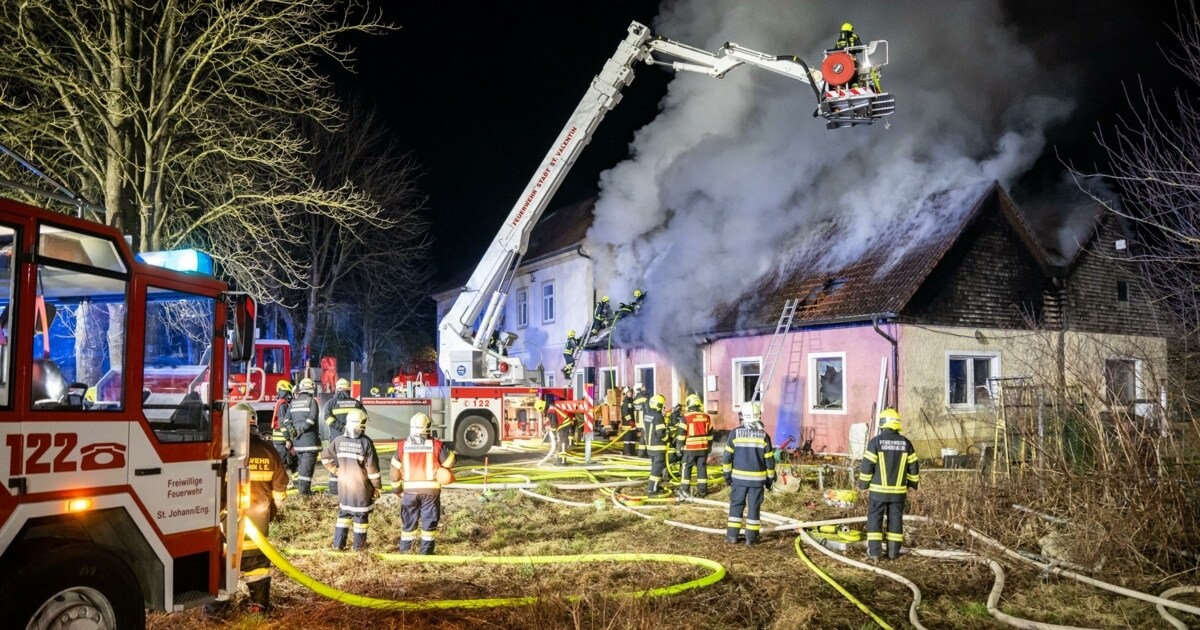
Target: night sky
(478, 93)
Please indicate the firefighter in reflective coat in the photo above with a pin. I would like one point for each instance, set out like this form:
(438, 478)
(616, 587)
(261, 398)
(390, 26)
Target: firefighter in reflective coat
(569, 354)
(601, 315)
(334, 412)
(889, 469)
(419, 462)
(301, 425)
(629, 423)
(351, 457)
(654, 428)
(279, 435)
(694, 438)
(749, 468)
(641, 402)
(563, 424)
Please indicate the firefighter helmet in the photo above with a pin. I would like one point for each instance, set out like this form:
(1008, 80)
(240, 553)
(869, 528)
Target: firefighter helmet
(343, 385)
(374, 391)
(444, 476)
(848, 27)
(391, 390)
(540, 405)
(658, 401)
(419, 425)
(693, 402)
(890, 419)
(604, 299)
(751, 412)
(637, 293)
(570, 334)
(356, 423)
(283, 386)
(307, 385)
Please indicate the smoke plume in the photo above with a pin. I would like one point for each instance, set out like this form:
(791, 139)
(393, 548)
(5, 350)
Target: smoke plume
(726, 183)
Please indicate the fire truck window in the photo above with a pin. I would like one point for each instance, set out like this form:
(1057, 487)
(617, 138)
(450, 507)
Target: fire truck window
(79, 339)
(272, 360)
(8, 254)
(178, 365)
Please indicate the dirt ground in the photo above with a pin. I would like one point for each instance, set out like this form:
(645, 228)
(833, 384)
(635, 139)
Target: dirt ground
(767, 585)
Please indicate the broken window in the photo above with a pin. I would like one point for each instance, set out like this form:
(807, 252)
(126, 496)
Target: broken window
(967, 379)
(828, 389)
(745, 378)
(1120, 381)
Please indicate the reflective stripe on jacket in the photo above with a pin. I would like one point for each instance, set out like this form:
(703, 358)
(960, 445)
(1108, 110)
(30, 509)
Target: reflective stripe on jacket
(416, 463)
(655, 429)
(357, 466)
(749, 457)
(696, 432)
(890, 465)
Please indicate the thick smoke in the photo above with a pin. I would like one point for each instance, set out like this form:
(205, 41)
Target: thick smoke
(727, 182)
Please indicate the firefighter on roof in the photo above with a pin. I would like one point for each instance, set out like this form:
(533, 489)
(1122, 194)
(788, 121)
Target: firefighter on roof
(279, 435)
(694, 438)
(301, 425)
(889, 469)
(600, 316)
(351, 458)
(749, 468)
(654, 427)
(423, 463)
(334, 413)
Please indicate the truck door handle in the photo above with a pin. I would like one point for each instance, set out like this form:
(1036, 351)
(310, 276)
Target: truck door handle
(142, 472)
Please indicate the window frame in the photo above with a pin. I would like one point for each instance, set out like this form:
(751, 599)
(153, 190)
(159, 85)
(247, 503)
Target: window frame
(637, 370)
(1139, 384)
(814, 384)
(522, 307)
(738, 391)
(10, 350)
(216, 342)
(616, 377)
(972, 404)
(553, 310)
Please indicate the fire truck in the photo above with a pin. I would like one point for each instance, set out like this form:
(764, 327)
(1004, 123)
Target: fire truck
(270, 363)
(122, 465)
(471, 350)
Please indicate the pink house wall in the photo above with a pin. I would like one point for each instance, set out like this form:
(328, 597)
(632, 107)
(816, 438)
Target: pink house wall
(786, 407)
(626, 360)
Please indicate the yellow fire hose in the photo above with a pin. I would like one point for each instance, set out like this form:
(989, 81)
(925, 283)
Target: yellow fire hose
(825, 576)
(363, 601)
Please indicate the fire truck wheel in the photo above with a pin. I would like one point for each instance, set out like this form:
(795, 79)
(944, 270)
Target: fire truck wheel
(99, 590)
(474, 436)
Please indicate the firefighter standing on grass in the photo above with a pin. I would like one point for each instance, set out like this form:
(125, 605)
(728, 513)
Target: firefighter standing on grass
(301, 425)
(562, 424)
(279, 435)
(889, 469)
(749, 468)
(694, 438)
(629, 445)
(419, 462)
(654, 428)
(334, 413)
(351, 457)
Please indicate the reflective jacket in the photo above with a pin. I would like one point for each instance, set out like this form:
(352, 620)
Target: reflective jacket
(356, 465)
(335, 411)
(416, 463)
(279, 434)
(654, 428)
(301, 422)
(695, 434)
(627, 411)
(847, 39)
(268, 485)
(558, 419)
(749, 457)
(889, 467)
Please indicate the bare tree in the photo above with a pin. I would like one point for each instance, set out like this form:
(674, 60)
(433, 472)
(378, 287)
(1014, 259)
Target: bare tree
(179, 116)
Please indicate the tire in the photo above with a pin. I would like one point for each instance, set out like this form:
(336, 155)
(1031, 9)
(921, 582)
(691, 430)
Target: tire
(474, 436)
(71, 579)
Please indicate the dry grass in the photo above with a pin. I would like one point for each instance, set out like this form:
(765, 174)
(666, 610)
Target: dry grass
(767, 586)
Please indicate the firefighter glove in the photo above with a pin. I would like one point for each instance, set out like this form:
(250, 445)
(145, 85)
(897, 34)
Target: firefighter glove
(770, 482)
(728, 479)
(375, 495)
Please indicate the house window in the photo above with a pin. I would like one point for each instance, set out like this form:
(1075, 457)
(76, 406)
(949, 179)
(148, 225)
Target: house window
(547, 302)
(584, 378)
(645, 376)
(745, 378)
(608, 378)
(967, 378)
(549, 380)
(827, 389)
(523, 308)
(1122, 291)
(1121, 381)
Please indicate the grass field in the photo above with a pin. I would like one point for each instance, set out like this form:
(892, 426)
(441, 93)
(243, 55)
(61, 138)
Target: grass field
(767, 585)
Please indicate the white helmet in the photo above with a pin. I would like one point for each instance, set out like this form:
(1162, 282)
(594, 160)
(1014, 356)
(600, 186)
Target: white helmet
(752, 414)
(356, 423)
(419, 425)
(342, 385)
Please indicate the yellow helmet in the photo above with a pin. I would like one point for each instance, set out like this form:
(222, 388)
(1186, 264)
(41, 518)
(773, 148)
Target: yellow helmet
(890, 419)
(570, 334)
(637, 293)
(658, 401)
(604, 299)
(391, 390)
(307, 385)
(374, 391)
(847, 27)
(90, 394)
(540, 405)
(283, 386)
(343, 385)
(693, 400)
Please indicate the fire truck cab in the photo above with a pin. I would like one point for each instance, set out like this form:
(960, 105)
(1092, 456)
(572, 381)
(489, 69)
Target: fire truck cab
(118, 457)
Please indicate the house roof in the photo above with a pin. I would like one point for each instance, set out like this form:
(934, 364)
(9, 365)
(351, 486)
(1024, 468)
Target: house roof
(885, 276)
(561, 230)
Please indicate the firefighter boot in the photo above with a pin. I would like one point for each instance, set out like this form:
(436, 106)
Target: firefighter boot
(406, 544)
(260, 596)
(426, 548)
(893, 548)
(701, 490)
(339, 538)
(360, 541)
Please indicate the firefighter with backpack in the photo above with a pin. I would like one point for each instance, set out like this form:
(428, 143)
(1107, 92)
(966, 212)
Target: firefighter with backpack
(279, 435)
(694, 438)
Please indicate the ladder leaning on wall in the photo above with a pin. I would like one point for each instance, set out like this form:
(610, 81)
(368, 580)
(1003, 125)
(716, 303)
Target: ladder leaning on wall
(774, 348)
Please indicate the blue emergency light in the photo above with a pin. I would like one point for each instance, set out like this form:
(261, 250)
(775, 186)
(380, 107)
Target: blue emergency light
(189, 260)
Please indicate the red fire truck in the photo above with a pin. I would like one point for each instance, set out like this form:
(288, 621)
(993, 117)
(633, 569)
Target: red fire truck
(121, 464)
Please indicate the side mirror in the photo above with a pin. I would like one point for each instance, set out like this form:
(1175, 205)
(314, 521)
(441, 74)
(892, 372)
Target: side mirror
(241, 321)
